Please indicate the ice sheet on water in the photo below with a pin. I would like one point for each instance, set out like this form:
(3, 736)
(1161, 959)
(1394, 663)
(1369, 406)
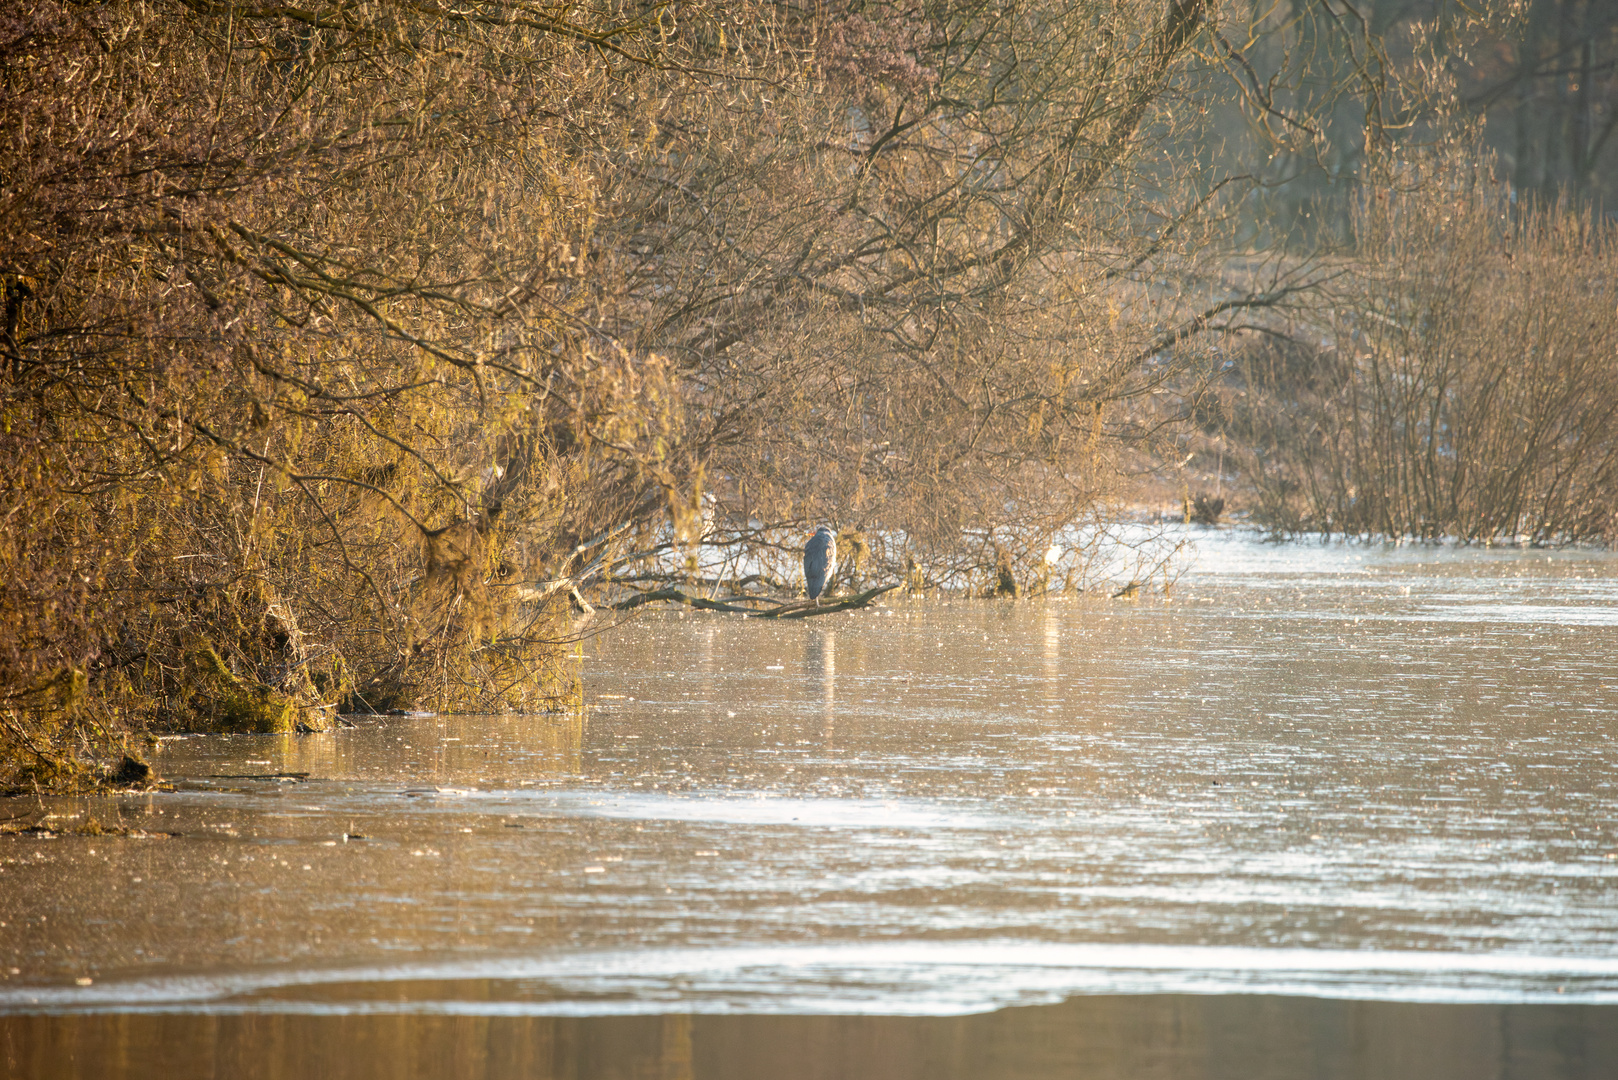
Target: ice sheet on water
(913, 978)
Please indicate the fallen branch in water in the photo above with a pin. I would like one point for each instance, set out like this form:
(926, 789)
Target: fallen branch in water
(676, 596)
(795, 609)
(803, 609)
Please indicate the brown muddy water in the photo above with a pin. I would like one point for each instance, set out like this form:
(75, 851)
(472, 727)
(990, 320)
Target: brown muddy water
(1327, 811)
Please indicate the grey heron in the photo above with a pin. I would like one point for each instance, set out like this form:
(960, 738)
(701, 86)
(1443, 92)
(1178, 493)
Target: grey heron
(819, 555)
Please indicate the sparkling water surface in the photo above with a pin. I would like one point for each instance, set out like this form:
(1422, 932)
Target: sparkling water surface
(1337, 770)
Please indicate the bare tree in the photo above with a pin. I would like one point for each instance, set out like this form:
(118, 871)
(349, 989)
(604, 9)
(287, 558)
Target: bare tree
(301, 406)
(922, 271)
(1468, 388)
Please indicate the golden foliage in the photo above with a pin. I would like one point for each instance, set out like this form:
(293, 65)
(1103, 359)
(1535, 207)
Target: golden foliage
(301, 394)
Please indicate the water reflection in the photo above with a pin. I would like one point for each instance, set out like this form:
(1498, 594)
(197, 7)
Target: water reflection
(1139, 1038)
(1353, 756)
(820, 661)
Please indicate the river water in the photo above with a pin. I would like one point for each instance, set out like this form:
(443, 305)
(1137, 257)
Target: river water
(1328, 807)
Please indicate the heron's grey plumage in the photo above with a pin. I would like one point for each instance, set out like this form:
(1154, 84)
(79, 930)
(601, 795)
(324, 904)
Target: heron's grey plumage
(819, 555)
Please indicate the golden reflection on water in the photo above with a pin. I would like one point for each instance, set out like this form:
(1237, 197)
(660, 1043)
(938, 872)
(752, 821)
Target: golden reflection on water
(820, 661)
(1406, 763)
(438, 750)
(1166, 1037)
(1051, 654)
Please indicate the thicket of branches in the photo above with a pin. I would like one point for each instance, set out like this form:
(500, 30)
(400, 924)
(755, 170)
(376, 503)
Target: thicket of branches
(348, 347)
(1465, 385)
(1548, 83)
(925, 277)
(1452, 375)
(303, 407)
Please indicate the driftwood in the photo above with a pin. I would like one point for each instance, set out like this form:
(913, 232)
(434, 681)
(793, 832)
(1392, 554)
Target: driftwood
(794, 609)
